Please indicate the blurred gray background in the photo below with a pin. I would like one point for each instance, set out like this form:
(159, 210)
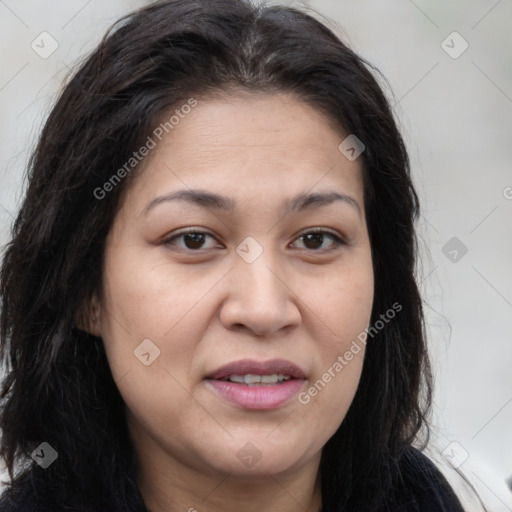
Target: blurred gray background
(449, 66)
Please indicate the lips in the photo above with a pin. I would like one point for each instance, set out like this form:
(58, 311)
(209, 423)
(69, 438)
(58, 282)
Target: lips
(250, 367)
(250, 384)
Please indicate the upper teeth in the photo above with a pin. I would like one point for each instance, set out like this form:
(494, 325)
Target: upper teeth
(257, 379)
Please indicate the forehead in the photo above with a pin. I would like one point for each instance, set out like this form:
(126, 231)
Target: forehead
(259, 143)
(244, 124)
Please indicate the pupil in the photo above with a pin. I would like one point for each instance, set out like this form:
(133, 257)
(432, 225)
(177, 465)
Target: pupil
(194, 240)
(315, 238)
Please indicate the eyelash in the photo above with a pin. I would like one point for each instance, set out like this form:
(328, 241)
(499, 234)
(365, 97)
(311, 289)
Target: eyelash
(337, 240)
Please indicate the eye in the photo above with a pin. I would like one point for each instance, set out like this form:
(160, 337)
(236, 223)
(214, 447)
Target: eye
(316, 239)
(192, 239)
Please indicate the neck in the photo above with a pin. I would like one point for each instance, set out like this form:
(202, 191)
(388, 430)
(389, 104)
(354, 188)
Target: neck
(167, 484)
(225, 494)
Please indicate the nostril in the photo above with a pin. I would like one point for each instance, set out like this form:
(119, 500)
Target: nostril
(241, 326)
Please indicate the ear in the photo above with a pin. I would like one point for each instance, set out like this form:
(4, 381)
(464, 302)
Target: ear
(88, 317)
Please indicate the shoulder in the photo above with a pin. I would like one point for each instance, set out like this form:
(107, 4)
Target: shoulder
(29, 494)
(34, 493)
(422, 486)
(23, 497)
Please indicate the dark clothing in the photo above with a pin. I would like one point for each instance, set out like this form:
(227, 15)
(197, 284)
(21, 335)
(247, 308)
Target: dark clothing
(424, 489)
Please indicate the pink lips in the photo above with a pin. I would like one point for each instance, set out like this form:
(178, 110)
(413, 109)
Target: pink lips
(269, 396)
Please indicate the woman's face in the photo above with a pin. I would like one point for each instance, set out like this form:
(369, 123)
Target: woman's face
(198, 327)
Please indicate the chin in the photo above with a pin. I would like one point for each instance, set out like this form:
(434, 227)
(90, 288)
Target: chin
(253, 459)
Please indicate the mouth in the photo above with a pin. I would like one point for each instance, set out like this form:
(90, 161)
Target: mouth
(257, 380)
(257, 385)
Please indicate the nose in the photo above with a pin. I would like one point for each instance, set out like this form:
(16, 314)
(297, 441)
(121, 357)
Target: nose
(260, 298)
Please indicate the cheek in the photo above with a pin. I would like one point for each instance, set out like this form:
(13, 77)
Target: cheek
(343, 301)
(149, 342)
(344, 306)
(148, 298)
(156, 315)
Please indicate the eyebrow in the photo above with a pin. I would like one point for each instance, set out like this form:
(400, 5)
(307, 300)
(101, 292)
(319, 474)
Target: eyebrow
(199, 197)
(305, 201)
(218, 202)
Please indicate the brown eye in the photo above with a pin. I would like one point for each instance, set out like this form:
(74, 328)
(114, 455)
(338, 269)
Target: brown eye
(192, 240)
(315, 240)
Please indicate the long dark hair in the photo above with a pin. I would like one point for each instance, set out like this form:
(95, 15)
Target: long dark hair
(58, 387)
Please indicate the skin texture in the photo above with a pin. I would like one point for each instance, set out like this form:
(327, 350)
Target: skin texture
(208, 307)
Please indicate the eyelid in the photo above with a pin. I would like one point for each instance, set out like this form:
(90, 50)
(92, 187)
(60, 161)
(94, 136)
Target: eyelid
(185, 231)
(328, 231)
(339, 240)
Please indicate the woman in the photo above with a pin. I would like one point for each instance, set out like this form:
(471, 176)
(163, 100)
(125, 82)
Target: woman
(209, 299)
